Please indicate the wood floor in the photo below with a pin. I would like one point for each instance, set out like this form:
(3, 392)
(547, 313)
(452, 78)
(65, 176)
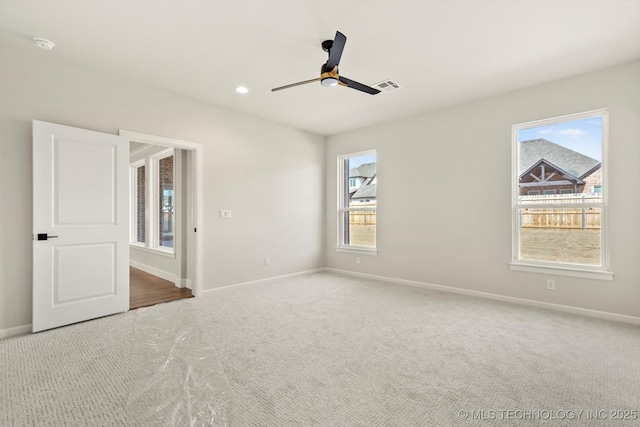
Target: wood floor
(147, 289)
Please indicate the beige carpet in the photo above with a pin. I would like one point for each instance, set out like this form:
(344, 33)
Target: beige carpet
(326, 350)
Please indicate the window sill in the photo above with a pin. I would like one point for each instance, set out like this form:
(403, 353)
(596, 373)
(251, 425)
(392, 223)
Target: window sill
(154, 251)
(357, 250)
(563, 271)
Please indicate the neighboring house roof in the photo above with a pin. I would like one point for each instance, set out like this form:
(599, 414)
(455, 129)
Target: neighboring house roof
(577, 164)
(366, 191)
(365, 171)
(550, 167)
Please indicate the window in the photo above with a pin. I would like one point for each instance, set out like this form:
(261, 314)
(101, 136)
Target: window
(563, 229)
(153, 198)
(165, 199)
(139, 201)
(357, 206)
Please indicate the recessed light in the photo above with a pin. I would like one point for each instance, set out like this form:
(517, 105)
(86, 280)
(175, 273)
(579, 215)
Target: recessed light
(44, 43)
(242, 89)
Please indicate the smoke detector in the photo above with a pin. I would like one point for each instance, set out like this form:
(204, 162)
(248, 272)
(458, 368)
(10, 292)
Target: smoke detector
(44, 43)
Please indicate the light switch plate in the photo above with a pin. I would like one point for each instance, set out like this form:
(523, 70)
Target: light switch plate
(225, 214)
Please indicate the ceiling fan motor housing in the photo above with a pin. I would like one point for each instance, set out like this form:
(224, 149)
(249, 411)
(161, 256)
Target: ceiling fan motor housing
(329, 77)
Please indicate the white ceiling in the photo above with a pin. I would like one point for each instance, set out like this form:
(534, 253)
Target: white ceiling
(441, 52)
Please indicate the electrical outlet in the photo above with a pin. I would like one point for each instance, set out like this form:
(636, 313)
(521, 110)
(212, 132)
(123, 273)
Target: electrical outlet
(225, 214)
(267, 261)
(357, 260)
(551, 284)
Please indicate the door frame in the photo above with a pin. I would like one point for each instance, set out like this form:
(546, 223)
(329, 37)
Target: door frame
(198, 210)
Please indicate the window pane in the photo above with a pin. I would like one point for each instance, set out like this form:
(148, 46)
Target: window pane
(140, 204)
(361, 228)
(568, 235)
(165, 223)
(561, 157)
(358, 191)
(560, 180)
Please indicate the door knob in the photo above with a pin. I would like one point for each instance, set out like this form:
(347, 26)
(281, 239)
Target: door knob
(45, 236)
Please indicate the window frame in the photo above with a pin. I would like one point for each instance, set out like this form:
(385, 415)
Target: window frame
(343, 192)
(133, 224)
(155, 198)
(152, 183)
(600, 272)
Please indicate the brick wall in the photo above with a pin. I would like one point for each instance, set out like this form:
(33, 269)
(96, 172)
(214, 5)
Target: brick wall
(165, 212)
(141, 179)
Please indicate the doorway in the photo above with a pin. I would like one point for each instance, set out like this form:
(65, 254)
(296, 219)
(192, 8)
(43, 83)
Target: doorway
(87, 272)
(165, 261)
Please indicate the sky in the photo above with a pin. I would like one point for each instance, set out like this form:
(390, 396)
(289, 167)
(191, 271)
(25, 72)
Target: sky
(583, 136)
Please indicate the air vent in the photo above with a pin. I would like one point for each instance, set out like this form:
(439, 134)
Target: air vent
(386, 85)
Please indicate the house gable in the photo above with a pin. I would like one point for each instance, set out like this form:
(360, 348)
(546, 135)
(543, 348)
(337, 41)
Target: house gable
(548, 167)
(577, 164)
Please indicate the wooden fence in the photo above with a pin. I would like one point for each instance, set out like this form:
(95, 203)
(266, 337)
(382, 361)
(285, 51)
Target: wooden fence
(556, 218)
(562, 218)
(362, 218)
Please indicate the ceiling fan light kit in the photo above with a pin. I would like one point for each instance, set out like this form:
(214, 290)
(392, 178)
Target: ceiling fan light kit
(329, 81)
(329, 75)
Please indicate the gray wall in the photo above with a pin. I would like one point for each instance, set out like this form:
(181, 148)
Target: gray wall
(444, 193)
(270, 176)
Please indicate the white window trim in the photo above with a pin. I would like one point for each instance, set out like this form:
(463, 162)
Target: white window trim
(341, 247)
(133, 185)
(150, 157)
(574, 270)
(154, 221)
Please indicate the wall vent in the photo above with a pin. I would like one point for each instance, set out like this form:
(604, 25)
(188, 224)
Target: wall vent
(386, 85)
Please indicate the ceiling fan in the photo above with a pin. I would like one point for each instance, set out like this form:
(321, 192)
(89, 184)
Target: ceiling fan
(329, 72)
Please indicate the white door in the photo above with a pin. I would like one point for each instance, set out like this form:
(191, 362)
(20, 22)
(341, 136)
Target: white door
(80, 225)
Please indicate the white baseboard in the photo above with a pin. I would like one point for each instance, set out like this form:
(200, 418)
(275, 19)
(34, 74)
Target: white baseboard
(18, 330)
(179, 283)
(532, 303)
(268, 279)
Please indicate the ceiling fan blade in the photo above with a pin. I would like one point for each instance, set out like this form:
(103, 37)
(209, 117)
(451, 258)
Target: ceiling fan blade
(336, 50)
(295, 84)
(358, 86)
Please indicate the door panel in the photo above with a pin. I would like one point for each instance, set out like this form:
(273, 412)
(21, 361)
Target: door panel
(80, 191)
(70, 266)
(94, 160)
